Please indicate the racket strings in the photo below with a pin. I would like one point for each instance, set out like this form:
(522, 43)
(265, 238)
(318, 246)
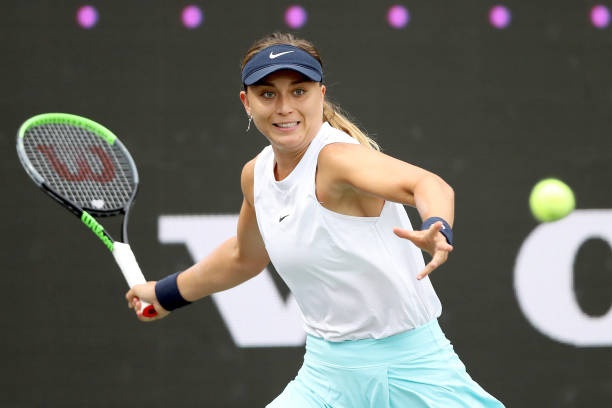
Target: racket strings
(68, 151)
(81, 166)
(120, 188)
(126, 179)
(36, 149)
(87, 188)
(118, 191)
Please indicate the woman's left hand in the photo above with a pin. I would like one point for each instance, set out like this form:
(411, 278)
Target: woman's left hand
(431, 241)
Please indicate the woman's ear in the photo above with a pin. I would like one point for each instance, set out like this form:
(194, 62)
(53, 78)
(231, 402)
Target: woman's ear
(245, 102)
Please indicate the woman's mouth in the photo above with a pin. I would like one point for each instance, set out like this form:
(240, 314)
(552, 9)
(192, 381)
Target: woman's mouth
(286, 125)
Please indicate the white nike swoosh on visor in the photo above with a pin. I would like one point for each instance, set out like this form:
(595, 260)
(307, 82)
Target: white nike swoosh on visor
(273, 55)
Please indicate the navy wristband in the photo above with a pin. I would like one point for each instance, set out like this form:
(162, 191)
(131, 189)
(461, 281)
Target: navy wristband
(168, 294)
(446, 229)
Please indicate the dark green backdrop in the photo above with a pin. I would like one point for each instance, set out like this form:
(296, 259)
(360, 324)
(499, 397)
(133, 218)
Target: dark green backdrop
(491, 111)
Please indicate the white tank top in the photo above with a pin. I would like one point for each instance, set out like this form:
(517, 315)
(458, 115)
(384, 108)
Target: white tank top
(352, 277)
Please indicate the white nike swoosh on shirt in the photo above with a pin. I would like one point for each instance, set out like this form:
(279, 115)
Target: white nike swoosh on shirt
(273, 55)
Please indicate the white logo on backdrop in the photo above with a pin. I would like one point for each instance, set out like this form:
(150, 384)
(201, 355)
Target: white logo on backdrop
(543, 279)
(255, 312)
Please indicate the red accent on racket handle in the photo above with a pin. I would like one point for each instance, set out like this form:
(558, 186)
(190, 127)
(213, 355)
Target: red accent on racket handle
(149, 311)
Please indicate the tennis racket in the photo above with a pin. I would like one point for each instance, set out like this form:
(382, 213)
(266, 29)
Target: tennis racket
(84, 167)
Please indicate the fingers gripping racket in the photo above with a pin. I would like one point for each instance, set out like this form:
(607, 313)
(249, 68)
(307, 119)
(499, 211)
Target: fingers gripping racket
(84, 166)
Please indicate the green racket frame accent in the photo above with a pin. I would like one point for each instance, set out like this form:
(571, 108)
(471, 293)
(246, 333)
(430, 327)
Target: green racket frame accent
(68, 119)
(97, 229)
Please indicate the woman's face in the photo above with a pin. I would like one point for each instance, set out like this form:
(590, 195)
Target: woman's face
(287, 108)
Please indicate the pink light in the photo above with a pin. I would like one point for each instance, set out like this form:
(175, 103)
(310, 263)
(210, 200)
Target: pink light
(295, 17)
(87, 16)
(500, 17)
(192, 16)
(600, 16)
(398, 16)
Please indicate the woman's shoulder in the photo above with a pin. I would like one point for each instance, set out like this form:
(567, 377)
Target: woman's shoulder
(247, 178)
(254, 168)
(335, 142)
(248, 170)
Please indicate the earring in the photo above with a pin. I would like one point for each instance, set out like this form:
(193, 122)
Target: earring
(250, 120)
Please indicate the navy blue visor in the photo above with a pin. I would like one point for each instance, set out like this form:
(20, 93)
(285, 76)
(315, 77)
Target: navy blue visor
(281, 56)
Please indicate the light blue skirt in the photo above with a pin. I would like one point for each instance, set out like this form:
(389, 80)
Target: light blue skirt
(416, 368)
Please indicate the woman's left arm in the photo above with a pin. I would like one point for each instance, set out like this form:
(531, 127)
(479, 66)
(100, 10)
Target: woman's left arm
(378, 174)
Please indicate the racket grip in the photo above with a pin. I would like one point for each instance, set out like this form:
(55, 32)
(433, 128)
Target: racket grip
(131, 272)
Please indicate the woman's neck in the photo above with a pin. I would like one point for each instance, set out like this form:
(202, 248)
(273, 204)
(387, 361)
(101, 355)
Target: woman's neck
(285, 160)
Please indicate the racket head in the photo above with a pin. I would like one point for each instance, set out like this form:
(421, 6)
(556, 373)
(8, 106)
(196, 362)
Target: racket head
(78, 162)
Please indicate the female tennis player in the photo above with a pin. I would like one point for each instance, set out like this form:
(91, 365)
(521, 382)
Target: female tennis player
(325, 207)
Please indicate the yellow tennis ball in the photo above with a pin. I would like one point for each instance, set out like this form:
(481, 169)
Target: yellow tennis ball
(551, 199)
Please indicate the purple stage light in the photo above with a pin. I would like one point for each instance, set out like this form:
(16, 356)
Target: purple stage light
(295, 17)
(398, 16)
(87, 16)
(192, 16)
(600, 16)
(500, 17)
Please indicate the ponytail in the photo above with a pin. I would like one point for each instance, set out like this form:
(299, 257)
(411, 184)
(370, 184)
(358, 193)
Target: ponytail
(333, 114)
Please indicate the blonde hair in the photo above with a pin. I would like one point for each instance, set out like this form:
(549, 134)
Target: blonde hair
(332, 113)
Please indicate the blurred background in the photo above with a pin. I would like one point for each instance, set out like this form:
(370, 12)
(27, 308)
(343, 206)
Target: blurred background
(492, 97)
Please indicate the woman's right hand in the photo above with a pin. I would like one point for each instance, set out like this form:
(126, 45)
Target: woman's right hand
(146, 292)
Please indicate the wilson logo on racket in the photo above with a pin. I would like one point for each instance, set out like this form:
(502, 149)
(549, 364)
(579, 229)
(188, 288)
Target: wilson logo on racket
(84, 171)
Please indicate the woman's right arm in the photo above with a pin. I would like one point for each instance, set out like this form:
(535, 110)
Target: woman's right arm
(236, 260)
(231, 263)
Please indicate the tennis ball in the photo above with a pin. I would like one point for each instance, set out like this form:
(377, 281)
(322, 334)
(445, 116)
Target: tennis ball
(551, 199)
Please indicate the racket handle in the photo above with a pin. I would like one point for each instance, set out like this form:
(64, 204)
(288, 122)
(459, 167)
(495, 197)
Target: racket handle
(131, 271)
